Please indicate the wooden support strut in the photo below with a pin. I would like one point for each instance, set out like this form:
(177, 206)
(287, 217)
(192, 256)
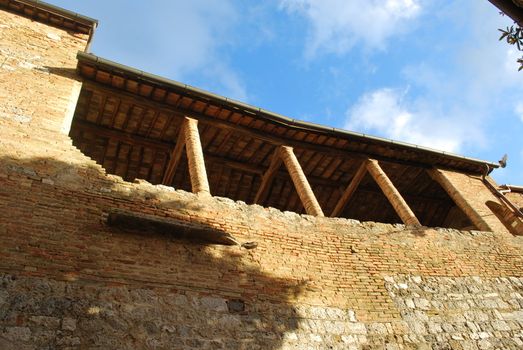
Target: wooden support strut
(351, 188)
(312, 207)
(389, 190)
(267, 178)
(197, 172)
(176, 155)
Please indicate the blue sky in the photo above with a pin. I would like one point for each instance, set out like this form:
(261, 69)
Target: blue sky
(428, 72)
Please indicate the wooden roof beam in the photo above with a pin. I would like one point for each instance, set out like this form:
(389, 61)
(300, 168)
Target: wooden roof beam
(175, 157)
(349, 191)
(268, 177)
(389, 190)
(310, 203)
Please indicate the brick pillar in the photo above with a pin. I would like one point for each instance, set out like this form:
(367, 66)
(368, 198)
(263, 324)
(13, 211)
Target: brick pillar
(473, 207)
(312, 207)
(389, 190)
(193, 146)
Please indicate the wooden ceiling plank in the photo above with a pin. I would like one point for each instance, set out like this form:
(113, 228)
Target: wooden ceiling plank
(264, 154)
(153, 121)
(113, 114)
(312, 207)
(331, 169)
(257, 144)
(389, 190)
(224, 142)
(243, 146)
(101, 108)
(349, 191)
(140, 120)
(211, 135)
(170, 119)
(312, 164)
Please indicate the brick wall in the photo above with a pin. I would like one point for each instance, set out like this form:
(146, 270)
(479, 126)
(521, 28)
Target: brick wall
(471, 195)
(516, 198)
(68, 280)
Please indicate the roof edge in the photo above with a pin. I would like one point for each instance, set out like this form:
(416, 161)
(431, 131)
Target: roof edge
(88, 22)
(161, 81)
(511, 9)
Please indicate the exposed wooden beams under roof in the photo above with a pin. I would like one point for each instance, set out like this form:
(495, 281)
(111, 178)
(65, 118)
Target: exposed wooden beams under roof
(135, 126)
(271, 127)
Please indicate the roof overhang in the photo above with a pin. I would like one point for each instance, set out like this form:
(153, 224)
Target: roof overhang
(118, 76)
(52, 15)
(512, 8)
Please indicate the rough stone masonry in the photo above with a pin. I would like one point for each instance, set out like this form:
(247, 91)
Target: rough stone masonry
(70, 281)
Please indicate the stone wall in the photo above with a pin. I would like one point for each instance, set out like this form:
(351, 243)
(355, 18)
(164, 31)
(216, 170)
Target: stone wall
(68, 280)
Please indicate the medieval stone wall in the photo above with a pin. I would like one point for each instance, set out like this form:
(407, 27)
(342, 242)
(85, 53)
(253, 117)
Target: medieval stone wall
(68, 280)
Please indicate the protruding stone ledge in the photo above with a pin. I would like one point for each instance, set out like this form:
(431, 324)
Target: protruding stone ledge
(193, 232)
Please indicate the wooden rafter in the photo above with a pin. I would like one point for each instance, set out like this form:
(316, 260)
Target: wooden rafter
(389, 190)
(241, 129)
(268, 177)
(175, 157)
(310, 203)
(351, 188)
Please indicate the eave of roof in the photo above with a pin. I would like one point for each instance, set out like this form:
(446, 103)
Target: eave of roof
(512, 8)
(138, 75)
(52, 15)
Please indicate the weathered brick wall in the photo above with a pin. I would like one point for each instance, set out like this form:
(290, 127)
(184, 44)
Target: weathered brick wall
(475, 196)
(516, 198)
(70, 281)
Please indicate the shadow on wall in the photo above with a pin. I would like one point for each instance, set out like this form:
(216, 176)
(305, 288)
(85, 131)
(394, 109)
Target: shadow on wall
(69, 280)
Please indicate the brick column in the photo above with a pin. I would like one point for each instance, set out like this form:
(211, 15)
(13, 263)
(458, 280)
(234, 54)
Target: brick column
(457, 196)
(389, 190)
(312, 207)
(194, 150)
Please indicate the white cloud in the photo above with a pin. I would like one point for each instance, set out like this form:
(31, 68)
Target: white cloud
(459, 97)
(386, 113)
(337, 25)
(179, 39)
(231, 84)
